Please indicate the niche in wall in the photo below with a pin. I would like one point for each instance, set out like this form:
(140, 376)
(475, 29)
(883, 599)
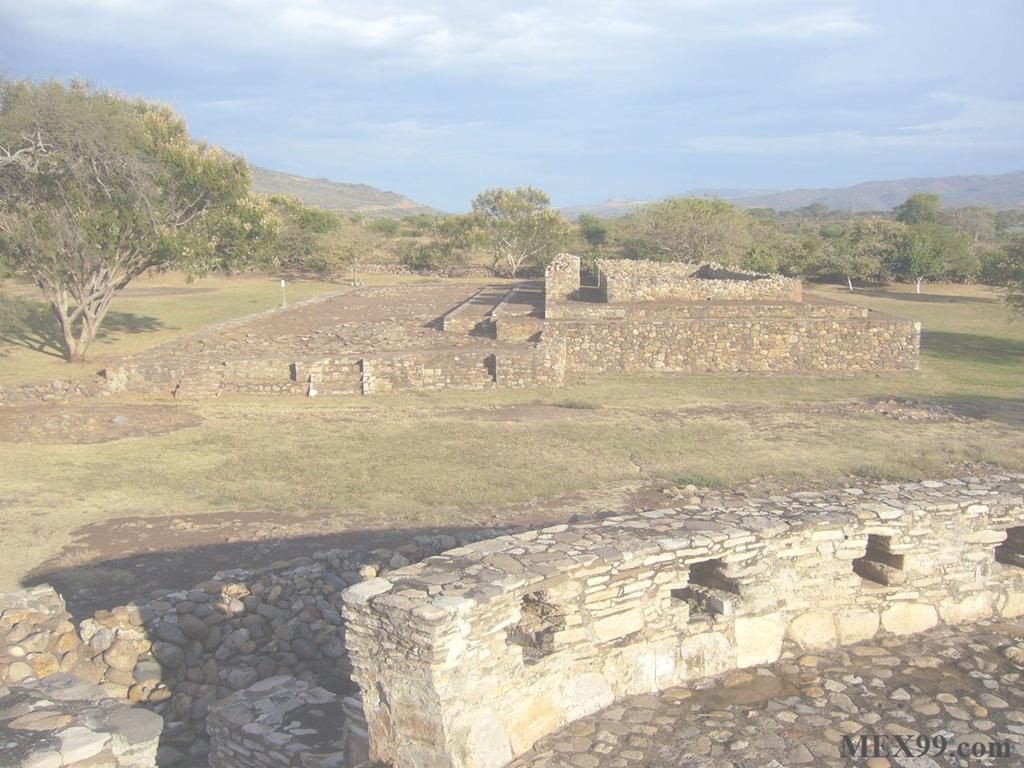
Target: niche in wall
(708, 592)
(1011, 551)
(879, 564)
(535, 630)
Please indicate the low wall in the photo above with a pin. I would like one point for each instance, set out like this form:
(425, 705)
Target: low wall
(772, 344)
(178, 652)
(561, 283)
(37, 636)
(628, 281)
(470, 657)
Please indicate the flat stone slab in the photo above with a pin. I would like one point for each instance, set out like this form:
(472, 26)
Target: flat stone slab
(957, 686)
(286, 721)
(64, 721)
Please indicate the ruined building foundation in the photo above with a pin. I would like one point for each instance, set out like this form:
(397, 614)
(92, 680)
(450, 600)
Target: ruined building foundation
(468, 658)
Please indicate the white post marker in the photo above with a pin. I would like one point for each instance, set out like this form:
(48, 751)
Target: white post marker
(284, 301)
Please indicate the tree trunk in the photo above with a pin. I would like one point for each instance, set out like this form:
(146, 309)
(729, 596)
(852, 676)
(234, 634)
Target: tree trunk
(919, 281)
(90, 318)
(849, 284)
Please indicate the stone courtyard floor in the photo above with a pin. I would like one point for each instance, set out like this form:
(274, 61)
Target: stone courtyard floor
(946, 687)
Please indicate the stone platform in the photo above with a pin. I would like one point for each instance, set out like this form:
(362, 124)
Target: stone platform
(964, 685)
(64, 721)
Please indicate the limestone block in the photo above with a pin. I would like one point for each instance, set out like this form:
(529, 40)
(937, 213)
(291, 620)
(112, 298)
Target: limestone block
(972, 608)
(907, 618)
(486, 744)
(532, 719)
(813, 630)
(618, 625)
(1014, 605)
(758, 639)
(857, 626)
(585, 694)
(704, 655)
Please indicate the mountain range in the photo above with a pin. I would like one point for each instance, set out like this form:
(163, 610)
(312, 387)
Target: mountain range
(1002, 191)
(335, 195)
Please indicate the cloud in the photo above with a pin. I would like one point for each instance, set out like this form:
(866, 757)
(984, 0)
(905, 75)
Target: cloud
(532, 37)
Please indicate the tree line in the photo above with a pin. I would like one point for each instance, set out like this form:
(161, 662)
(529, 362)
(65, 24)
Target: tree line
(97, 189)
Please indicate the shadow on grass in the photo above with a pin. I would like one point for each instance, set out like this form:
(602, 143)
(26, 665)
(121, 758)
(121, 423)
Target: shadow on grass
(923, 298)
(31, 325)
(973, 348)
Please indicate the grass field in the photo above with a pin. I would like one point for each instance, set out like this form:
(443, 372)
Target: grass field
(153, 309)
(455, 458)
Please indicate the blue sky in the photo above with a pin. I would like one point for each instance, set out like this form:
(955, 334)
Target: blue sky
(586, 99)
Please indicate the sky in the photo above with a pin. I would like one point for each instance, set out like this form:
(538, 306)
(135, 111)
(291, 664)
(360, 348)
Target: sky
(586, 99)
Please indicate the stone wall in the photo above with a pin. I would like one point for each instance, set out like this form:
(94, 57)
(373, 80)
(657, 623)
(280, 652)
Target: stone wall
(628, 281)
(764, 344)
(37, 636)
(561, 283)
(178, 652)
(469, 657)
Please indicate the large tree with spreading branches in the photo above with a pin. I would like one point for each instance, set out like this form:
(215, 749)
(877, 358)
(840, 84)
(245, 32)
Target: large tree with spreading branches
(96, 189)
(518, 227)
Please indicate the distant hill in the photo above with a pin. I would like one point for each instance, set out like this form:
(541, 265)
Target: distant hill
(1003, 191)
(335, 195)
(610, 209)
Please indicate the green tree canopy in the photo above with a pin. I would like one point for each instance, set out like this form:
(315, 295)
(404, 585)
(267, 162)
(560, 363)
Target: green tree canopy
(593, 230)
(687, 229)
(519, 227)
(919, 208)
(96, 189)
(1011, 272)
(859, 248)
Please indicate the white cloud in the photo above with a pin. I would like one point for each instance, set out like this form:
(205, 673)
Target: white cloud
(530, 36)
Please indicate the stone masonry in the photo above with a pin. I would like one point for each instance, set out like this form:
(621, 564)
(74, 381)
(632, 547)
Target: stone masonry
(649, 317)
(640, 318)
(65, 721)
(470, 657)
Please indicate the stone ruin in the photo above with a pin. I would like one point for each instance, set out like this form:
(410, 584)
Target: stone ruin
(475, 652)
(467, 659)
(636, 318)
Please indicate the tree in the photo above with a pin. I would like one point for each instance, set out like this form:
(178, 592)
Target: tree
(519, 227)
(976, 223)
(771, 250)
(858, 249)
(918, 257)
(1011, 270)
(302, 235)
(593, 230)
(919, 208)
(687, 229)
(449, 240)
(96, 189)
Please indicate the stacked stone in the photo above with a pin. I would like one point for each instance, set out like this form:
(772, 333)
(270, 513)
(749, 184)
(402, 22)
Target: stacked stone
(279, 722)
(58, 389)
(487, 647)
(65, 721)
(748, 343)
(627, 280)
(180, 651)
(37, 636)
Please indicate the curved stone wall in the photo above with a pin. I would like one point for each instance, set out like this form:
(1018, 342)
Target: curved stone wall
(469, 657)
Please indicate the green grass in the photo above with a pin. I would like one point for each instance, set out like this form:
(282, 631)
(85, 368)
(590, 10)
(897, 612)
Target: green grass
(151, 311)
(462, 458)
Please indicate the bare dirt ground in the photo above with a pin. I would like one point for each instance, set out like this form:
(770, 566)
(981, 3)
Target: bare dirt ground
(390, 318)
(91, 422)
